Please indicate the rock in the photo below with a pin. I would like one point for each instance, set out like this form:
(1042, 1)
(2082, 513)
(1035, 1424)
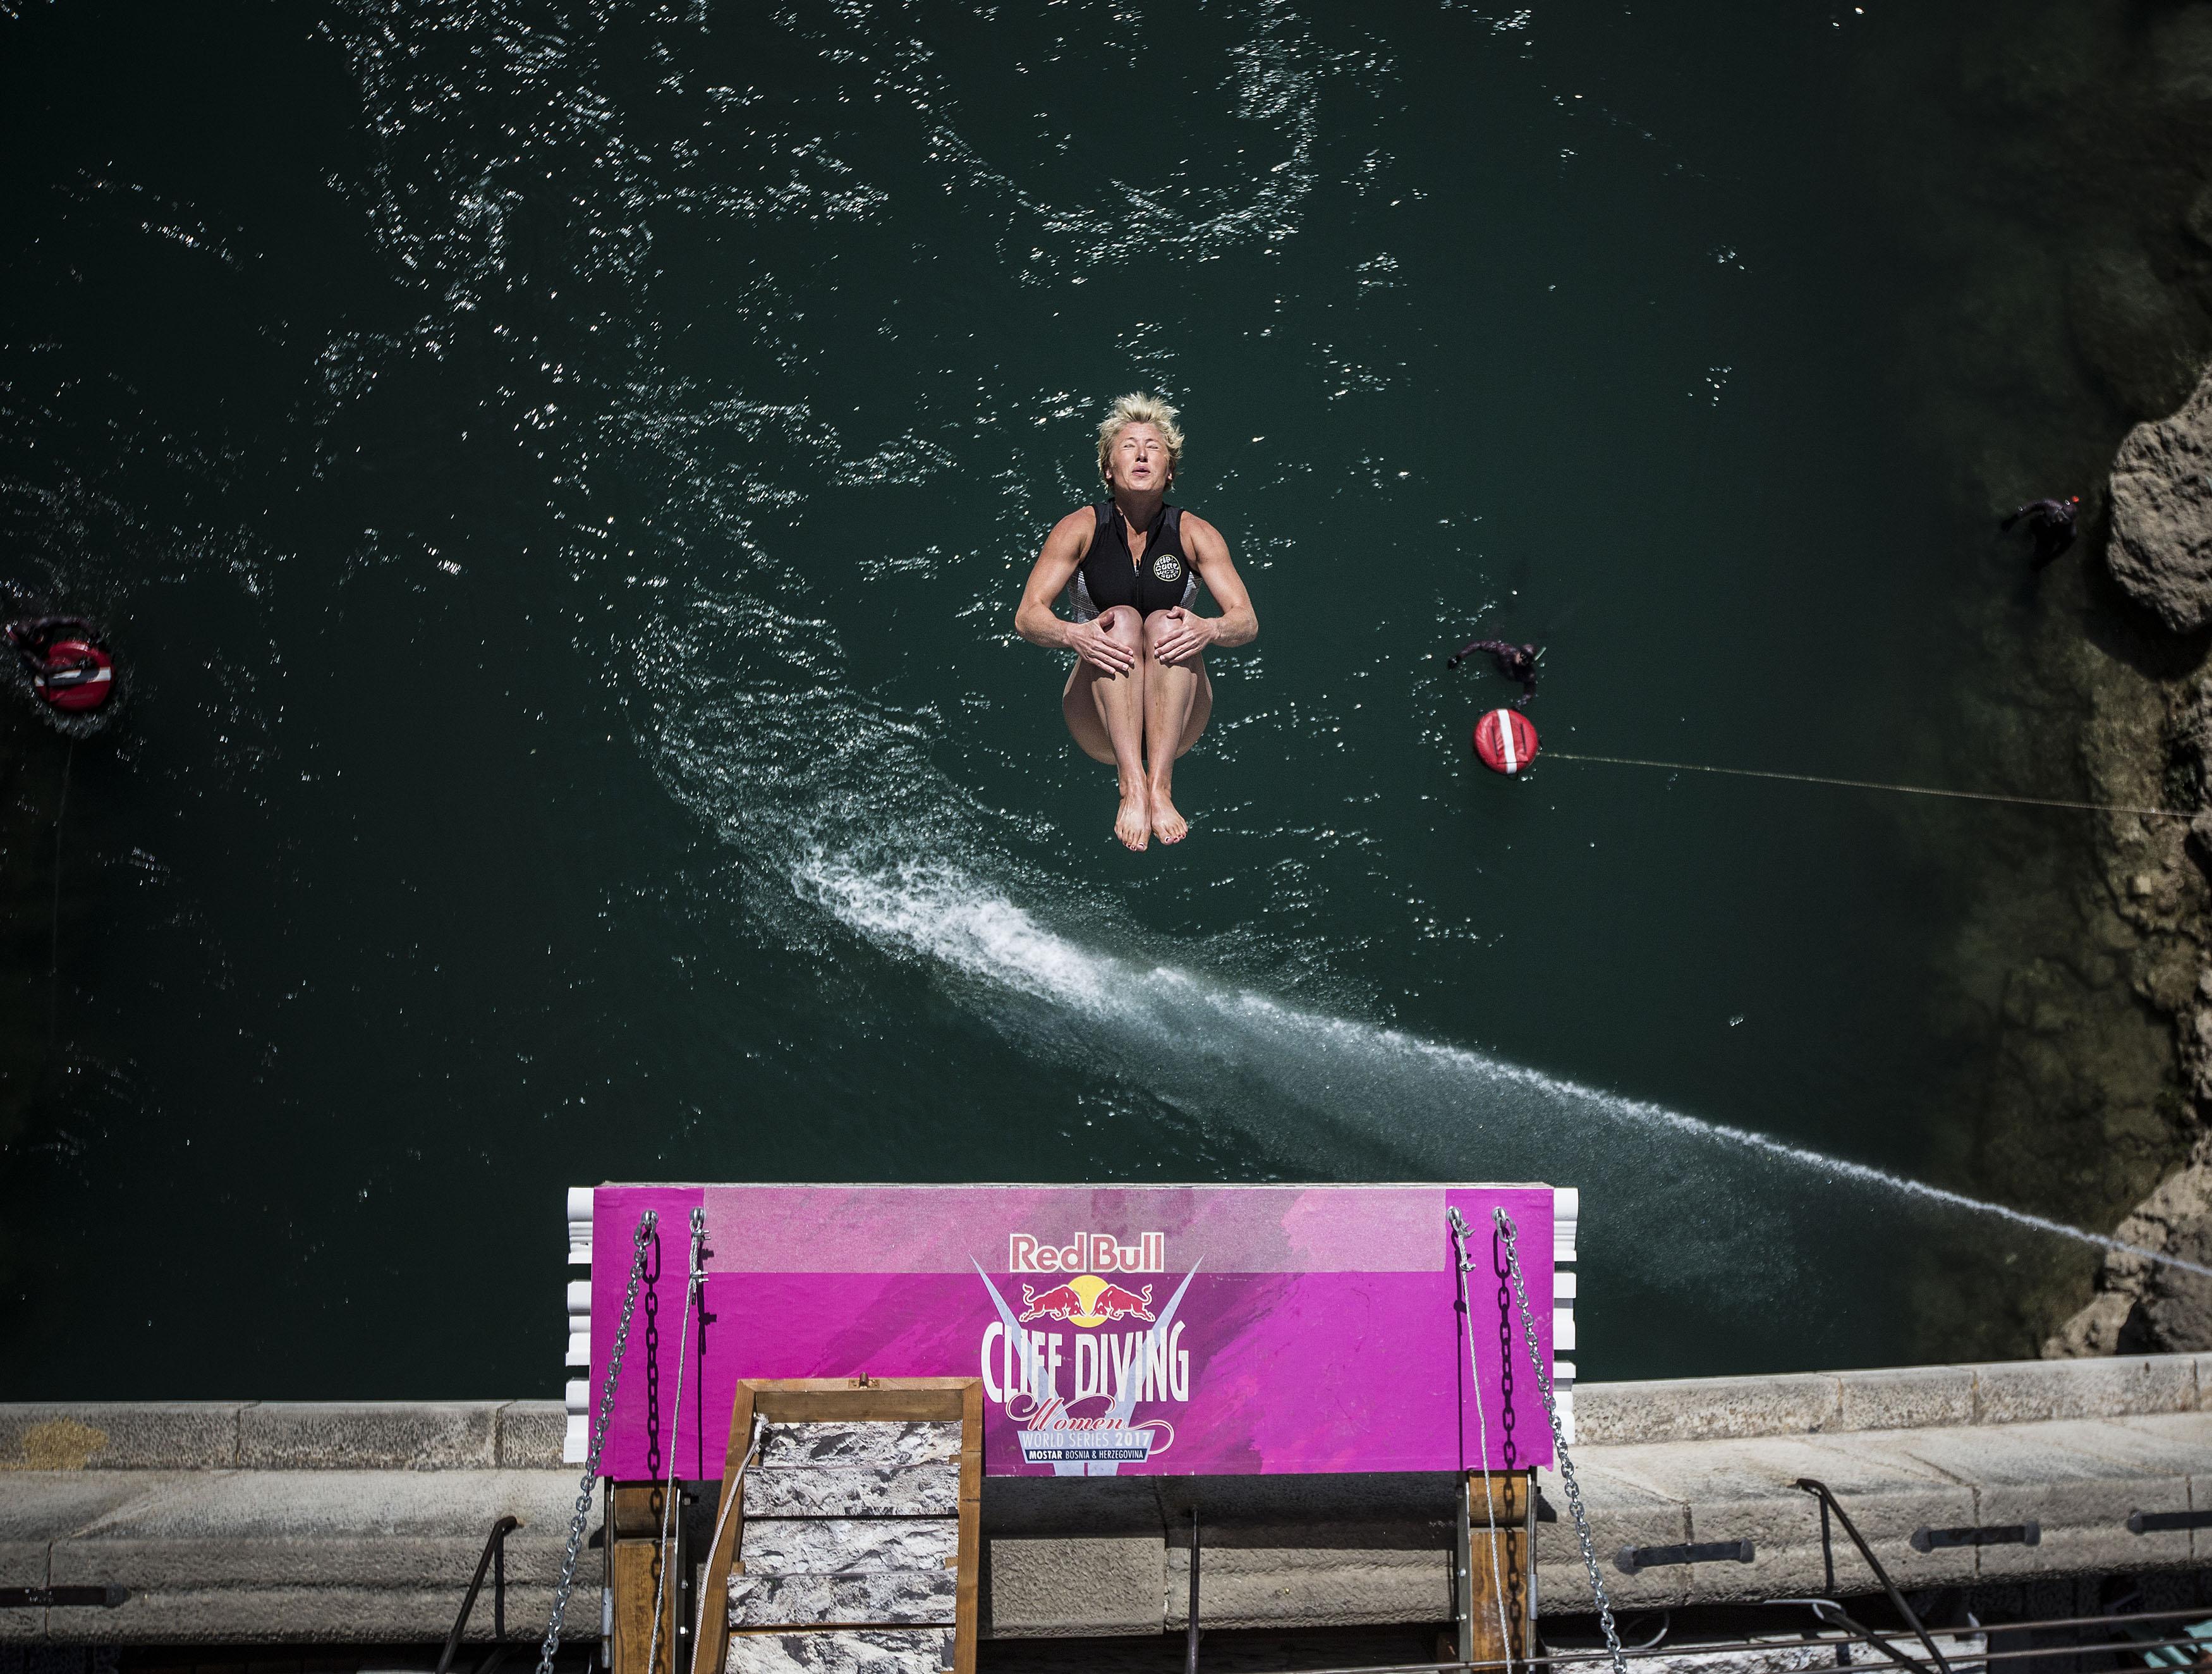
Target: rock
(2161, 547)
(2144, 1307)
(2138, 338)
(2196, 219)
(2181, 43)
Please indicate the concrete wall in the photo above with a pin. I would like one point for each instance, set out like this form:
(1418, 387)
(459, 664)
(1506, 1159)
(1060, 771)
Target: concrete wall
(360, 1522)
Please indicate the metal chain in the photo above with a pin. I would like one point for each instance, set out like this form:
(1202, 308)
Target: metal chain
(1506, 1419)
(646, 1223)
(694, 1276)
(1459, 1234)
(1511, 1234)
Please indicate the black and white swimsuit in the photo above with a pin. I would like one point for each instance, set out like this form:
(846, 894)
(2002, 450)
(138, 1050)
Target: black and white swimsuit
(1161, 580)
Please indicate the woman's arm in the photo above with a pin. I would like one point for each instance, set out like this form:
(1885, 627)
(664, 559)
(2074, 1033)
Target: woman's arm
(1036, 620)
(1238, 625)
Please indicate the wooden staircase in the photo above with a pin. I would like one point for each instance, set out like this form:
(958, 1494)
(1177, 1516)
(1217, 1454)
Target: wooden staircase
(854, 1548)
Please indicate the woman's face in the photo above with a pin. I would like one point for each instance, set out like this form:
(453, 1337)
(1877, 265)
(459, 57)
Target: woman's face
(1138, 463)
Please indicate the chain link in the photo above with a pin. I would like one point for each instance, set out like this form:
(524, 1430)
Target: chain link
(646, 1223)
(1511, 1234)
(1460, 1232)
(1506, 1419)
(694, 1279)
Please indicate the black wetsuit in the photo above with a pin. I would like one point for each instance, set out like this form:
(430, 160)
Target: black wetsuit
(2051, 523)
(1514, 662)
(1160, 581)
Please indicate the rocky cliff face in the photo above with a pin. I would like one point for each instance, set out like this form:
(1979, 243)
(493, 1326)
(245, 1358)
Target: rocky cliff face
(2162, 543)
(2144, 1307)
(2161, 554)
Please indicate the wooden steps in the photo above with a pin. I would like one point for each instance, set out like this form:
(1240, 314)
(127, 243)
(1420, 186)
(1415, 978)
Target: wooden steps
(855, 1550)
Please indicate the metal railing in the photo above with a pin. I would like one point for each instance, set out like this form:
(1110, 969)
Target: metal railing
(494, 1559)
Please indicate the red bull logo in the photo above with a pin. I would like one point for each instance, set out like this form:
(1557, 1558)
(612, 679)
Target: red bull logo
(1089, 1300)
(1090, 1253)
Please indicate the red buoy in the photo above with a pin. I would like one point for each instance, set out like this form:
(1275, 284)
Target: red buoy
(78, 675)
(1506, 741)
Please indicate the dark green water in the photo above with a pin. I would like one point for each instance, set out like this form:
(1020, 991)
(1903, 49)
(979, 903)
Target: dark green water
(562, 478)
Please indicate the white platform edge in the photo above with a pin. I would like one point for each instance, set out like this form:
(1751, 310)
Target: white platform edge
(577, 1301)
(580, 1226)
(576, 1439)
(1566, 1235)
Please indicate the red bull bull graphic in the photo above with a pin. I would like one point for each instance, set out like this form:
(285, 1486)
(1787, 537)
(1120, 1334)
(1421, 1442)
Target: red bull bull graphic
(1177, 1330)
(1089, 1300)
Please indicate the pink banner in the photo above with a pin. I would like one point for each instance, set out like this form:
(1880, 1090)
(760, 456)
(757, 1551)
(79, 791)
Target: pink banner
(1184, 1330)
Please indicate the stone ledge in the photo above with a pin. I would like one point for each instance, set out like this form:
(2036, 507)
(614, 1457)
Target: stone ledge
(115, 1435)
(1889, 1398)
(461, 1435)
(369, 1435)
(281, 1435)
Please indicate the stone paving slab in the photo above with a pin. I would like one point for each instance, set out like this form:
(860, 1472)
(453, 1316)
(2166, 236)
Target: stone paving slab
(22, 1563)
(1912, 1398)
(1747, 1490)
(1249, 1586)
(1078, 1585)
(2029, 1391)
(1900, 1397)
(2080, 1500)
(532, 1433)
(312, 1556)
(1622, 1512)
(138, 1435)
(372, 1435)
(304, 1615)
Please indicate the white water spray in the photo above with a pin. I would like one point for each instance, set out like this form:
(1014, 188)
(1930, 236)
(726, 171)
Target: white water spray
(941, 914)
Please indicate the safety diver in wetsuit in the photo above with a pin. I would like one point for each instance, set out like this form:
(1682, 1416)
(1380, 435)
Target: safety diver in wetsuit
(1514, 662)
(2052, 524)
(1131, 566)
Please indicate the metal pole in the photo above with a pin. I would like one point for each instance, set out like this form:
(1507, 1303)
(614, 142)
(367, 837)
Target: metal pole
(1190, 1639)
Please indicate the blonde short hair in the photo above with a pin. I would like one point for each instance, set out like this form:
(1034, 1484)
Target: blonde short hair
(1129, 410)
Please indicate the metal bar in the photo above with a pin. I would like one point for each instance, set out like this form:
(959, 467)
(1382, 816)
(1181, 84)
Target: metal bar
(495, 1544)
(62, 1597)
(2047, 1624)
(1925, 1539)
(1831, 1614)
(1630, 1559)
(1190, 1639)
(1896, 1598)
(1463, 1555)
(2148, 1523)
(1723, 1647)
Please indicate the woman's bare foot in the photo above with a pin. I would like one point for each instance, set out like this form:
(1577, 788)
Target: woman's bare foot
(1168, 825)
(1134, 824)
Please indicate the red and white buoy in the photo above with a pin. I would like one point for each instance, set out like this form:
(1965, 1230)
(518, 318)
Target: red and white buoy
(78, 675)
(65, 665)
(1506, 741)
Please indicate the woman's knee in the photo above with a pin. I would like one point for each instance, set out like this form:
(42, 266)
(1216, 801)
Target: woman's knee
(1123, 623)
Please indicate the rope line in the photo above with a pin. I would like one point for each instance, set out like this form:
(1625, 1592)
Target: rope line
(1876, 784)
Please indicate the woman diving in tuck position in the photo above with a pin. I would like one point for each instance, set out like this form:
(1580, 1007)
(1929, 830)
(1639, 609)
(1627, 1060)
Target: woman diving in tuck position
(1131, 564)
